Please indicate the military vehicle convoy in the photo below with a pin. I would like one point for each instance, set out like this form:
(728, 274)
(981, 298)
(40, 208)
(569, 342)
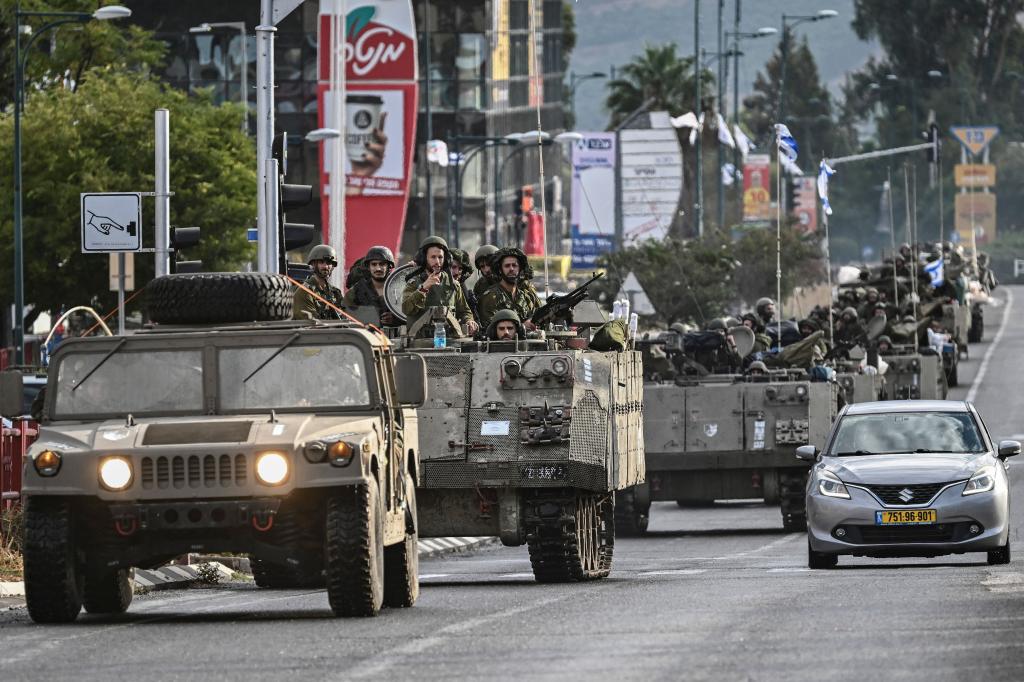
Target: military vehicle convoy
(293, 441)
(528, 439)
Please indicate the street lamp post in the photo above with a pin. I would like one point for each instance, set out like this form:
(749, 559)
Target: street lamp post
(57, 19)
(796, 21)
(455, 197)
(574, 82)
(207, 27)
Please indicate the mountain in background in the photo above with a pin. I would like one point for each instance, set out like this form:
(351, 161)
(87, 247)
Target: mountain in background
(612, 32)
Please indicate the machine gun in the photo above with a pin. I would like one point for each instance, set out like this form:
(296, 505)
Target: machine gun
(559, 307)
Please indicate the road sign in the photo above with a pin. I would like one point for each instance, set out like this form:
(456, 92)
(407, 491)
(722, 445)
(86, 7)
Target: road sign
(639, 303)
(975, 138)
(975, 174)
(111, 221)
(129, 272)
(977, 210)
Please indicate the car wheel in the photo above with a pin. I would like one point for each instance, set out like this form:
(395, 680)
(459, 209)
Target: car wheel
(818, 560)
(1000, 555)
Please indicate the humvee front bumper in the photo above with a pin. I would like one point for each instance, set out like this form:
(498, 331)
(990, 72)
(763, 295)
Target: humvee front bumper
(194, 515)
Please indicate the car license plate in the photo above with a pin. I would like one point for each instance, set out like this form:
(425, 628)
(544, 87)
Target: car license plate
(905, 517)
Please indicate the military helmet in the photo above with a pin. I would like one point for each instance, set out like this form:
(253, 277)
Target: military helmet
(525, 271)
(679, 327)
(909, 319)
(884, 338)
(731, 322)
(324, 252)
(381, 253)
(462, 258)
(716, 324)
(484, 254)
(433, 240)
(762, 304)
(503, 315)
(850, 310)
(758, 365)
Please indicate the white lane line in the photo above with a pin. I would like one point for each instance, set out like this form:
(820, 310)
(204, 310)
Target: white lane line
(679, 571)
(762, 548)
(510, 576)
(789, 569)
(430, 576)
(976, 384)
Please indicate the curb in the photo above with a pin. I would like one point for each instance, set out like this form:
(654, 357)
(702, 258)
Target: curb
(170, 577)
(432, 547)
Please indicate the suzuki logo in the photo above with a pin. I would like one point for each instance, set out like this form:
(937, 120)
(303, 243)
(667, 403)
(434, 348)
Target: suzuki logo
(906, 494)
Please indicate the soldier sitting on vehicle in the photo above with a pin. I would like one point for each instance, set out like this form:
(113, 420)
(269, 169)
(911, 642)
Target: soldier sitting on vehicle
(368, 290)
(461, 271)
(431, 284)
(323, 259)
(765, 309)
(513, 291)
(482, 261)
(883, 344)
(757, 370)
(505, 326)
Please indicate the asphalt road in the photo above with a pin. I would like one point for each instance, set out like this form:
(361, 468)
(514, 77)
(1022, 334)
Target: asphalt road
(712, 594)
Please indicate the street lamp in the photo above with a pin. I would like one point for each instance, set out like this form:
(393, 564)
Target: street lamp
(57, 19)
(796, 21)
(206, 27)
(574, 82)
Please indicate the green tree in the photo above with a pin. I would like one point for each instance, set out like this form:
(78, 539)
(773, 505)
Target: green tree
(755, 253)
(659, 75)
(100, 139)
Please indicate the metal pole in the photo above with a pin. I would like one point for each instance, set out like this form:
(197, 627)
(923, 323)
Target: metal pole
(736, 91)
(782, 74)
(699, 179)
(778, 240)
(430, 124)
(120, 293)
(336, 201)
(245, 77)
(892, 241)
(19, 270)
(162, 192)
(721, 95)
(267, 246)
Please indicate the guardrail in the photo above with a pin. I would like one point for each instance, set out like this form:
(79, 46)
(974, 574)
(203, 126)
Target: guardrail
(14, 441)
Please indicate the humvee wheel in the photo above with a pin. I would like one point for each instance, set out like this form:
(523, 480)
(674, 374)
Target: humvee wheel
(354, 551)
(631, 518)
(402, 560)
(279, 577)
(53, 582)
(571, 535)
(218, 297)
(107, 591)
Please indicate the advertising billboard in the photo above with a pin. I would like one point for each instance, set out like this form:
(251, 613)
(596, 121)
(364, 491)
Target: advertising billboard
(592, 204)
(652, 179)
(757, 195)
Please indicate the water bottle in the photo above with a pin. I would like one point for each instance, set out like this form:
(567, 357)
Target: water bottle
(616, 309)
(440, 335)
(625, 309)
(634, 321)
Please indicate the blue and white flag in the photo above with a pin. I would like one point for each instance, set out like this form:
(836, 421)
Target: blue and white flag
(787, 144)
(824, 173)
(936, 271)
(724, 136)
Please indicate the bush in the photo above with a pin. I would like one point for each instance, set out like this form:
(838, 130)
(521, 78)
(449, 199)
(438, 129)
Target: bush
(12, 531)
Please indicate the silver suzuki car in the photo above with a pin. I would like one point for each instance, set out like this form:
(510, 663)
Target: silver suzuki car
(908, 478)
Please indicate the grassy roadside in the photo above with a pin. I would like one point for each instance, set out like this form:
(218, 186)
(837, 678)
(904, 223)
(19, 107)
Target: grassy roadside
(11, 529)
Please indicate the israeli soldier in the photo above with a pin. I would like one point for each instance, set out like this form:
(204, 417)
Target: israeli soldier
(323, 259)
(431, 284)
(765, 309)
(482, 261)
(462, 269)
(505, 326)
(369, 291)
(513, 291)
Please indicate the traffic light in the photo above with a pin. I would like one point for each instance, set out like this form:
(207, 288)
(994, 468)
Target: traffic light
(789, 188)
(183, 238)
(935, 141)
(290, 197)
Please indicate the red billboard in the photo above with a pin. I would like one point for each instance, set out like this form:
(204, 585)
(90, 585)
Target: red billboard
(379, 120)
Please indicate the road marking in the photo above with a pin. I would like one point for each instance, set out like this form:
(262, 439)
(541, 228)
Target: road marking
(679, 571)
(758, 550)
(790, 569)
(511, 576)
(1004, 582)
(976, 384)
(428, 576)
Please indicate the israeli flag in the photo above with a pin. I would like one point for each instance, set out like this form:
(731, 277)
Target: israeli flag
(824, 173)
(787, 144)
(936, 271)
(724, 136)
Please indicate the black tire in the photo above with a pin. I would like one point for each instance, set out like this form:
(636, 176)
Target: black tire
(53, 581)
(571, 538)
(1000, 555)
(631, 518)
(793, 501)
(820, 560)
(977, 330)
(275, 576)
(107, 591)
(219, 297)
(953, 377)
(354, 551)
(402, 560)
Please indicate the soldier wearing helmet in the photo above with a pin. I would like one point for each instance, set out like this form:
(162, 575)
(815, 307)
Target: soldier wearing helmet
(369, 291)
(757, 369)
(431, 284)
(461, 271)
(323, 259)
(513, 291)
(505, 326)
(765, 309)
(482, 260)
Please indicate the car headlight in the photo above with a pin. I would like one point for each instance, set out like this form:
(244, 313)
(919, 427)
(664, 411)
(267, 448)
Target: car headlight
(829, 485)
(115, 473)
(47, 463)
(272, 468)
(981, 482)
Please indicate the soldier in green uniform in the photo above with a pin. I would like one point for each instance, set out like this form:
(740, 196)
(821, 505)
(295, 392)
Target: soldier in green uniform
(369, 289)
(513, 291)
(462, 269)
(505, 326)
(431, 284)
(323, 259)
(482, 260)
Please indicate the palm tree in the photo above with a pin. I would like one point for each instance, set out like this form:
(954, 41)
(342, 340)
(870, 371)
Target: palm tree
(658, 73)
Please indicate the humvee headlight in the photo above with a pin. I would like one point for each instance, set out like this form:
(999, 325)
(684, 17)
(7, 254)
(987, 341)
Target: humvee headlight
(115, 473)
(559, 367)
(47, 463)
(340, 453)
(272, 468)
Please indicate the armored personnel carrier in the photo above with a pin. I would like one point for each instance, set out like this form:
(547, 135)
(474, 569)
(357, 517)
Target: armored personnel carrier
(293, 441)
(913, 374)
(528, 439)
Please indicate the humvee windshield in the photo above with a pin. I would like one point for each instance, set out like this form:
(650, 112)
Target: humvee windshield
(130, 381)
(293, 377)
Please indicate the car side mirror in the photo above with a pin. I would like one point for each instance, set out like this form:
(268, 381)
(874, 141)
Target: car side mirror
(807, 453)
(1008, 448)
(11, 394)
(411, 380)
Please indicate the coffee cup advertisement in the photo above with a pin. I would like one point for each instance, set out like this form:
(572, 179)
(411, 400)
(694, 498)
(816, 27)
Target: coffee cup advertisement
(374, 145)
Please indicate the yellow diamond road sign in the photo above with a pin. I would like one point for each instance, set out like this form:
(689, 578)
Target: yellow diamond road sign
(975, 138)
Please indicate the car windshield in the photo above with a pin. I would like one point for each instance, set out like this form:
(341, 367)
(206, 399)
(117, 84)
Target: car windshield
(275, 377)
(899, 432)
(130, 382)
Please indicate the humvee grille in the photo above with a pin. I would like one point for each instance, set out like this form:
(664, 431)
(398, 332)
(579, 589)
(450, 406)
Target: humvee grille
(194, 471)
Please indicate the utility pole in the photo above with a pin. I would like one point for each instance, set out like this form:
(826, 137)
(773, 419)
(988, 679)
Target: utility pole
(162, 192)
(267, 246)
(721, 95)
(698, 205)
(430, 123)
